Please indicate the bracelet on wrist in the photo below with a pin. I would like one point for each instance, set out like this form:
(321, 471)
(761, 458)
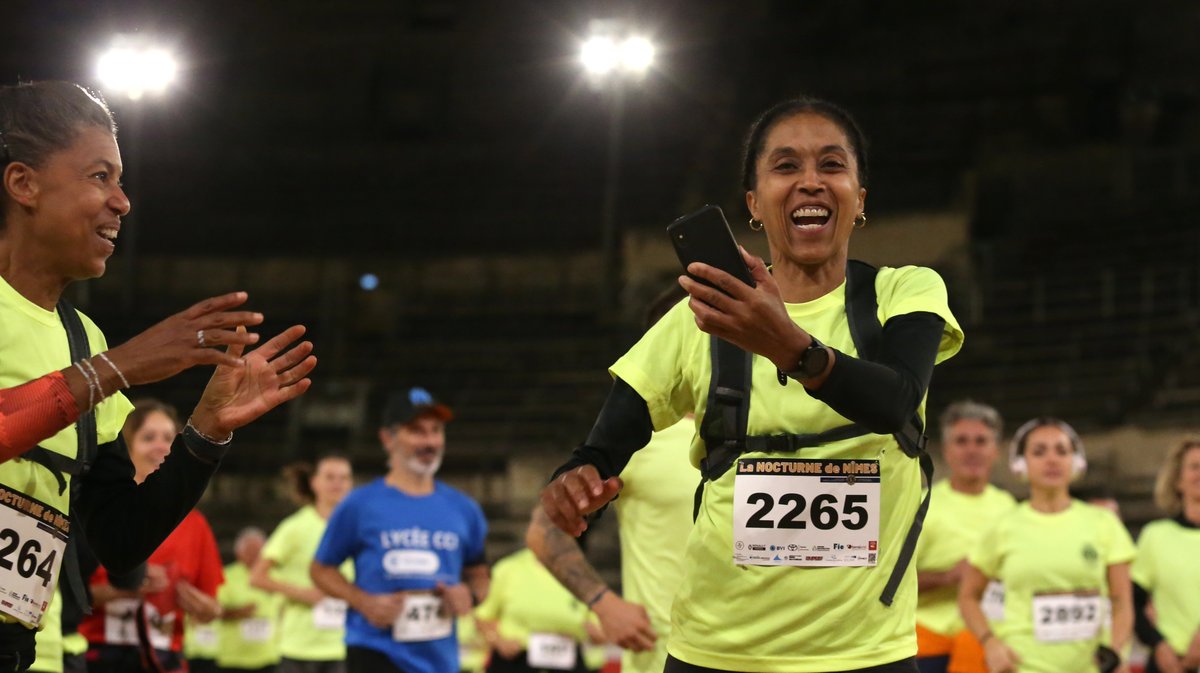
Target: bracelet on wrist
(597, 597)
(210, 440)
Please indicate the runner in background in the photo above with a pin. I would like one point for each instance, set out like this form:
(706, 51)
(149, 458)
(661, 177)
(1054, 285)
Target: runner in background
(143, 630)
(312, 626)
(963, 507)
(417, 545)
(1059, 558)
(1166, 571)
(654, 517)
(248, 631)
(531, 623)
(201, 643)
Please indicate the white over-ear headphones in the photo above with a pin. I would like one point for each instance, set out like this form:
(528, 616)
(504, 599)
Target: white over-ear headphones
(1016, 449)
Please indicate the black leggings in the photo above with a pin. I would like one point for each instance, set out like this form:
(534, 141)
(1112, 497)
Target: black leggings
(905, 666)
(519, 664)
(367, 660)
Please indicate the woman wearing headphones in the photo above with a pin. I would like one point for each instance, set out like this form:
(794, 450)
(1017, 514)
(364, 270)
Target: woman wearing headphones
(1059, 558)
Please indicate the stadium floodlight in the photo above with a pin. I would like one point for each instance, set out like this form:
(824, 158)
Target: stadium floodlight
(599, 55)
(637, 54)
(613, 50)
(136, 69)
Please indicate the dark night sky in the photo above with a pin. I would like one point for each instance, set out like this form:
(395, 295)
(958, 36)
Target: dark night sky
(463, 125)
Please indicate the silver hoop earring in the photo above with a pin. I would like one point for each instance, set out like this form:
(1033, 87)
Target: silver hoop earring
(754, 222)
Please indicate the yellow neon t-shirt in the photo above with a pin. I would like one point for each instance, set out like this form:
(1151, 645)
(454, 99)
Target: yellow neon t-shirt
(49, 653)
(525, 598)
(291, 548)
(954, 524)
(200, 641)
(1166, 567)
(1043, 554)
(784, 619)
(33, 343)
(252, 642)
(654, 516)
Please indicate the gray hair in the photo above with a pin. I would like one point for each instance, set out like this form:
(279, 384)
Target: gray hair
(244, 536)
(970, 410)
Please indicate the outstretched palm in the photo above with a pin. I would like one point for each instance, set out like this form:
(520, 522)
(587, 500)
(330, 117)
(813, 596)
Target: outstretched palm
(270, 375)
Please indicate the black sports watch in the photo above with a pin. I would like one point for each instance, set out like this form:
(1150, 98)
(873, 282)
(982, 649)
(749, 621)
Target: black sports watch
(812, 363)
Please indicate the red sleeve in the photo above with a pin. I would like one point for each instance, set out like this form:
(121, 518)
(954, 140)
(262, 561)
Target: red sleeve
(209, 575)
(99, 577)
(34, 411)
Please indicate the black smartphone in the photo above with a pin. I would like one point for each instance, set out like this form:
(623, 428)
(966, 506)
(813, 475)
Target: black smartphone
(704, 236)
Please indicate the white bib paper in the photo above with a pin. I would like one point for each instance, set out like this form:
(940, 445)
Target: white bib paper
(1067, 616)
(329, 614)
(421, 619)
(993, 601)
(256, 630)
(33, 538)
(204, 635)
(552, 651)
(120, 621)
(161, 628)
(806, 512)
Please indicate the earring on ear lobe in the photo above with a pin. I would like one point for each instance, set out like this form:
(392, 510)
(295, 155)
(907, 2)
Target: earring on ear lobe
(860, 221)
(753, 223)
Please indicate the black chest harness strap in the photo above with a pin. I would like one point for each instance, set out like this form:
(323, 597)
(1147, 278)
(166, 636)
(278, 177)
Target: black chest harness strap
(723, 427)
(60, 465)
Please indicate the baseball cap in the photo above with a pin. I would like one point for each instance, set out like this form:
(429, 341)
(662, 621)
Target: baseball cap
(405, 405)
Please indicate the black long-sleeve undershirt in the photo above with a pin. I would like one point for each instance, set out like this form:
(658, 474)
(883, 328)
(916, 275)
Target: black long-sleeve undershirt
(125, 521)
(881, 395)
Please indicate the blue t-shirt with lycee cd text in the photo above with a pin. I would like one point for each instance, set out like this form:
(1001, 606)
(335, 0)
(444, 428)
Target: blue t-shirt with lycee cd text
(402, 542)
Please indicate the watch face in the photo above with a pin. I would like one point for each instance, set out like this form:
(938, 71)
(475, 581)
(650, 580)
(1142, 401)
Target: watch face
(814, 361)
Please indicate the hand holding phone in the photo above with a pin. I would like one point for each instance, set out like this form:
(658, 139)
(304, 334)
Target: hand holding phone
(704, 236)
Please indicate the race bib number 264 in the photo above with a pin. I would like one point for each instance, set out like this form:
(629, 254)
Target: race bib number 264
(806, 512)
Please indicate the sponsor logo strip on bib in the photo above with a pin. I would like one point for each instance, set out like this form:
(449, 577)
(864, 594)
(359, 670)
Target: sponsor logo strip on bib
(806, 512)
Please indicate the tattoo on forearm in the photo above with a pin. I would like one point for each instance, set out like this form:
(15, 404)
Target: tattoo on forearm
(565, 560)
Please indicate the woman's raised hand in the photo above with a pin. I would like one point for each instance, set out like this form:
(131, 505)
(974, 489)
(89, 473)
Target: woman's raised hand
(752, 318)
(576, 493)
(255, 383)
(184, 340)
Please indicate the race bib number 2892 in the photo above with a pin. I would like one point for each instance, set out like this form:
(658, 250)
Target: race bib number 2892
(806, 512)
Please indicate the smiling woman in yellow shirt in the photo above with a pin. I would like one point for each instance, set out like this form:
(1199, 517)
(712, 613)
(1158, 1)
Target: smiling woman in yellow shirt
(800, 566)
(1059, 559)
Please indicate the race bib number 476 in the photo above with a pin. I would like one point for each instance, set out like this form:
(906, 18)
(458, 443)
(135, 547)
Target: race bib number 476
(806, 512)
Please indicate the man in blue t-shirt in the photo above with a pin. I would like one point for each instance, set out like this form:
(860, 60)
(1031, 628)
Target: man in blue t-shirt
(417, 546)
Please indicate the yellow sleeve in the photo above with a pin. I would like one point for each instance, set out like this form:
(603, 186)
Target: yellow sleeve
(917, 289)
(988, 553)
(493, 605)
(655, 367)
(1119, 547)
(1143, 570)
(111, 413)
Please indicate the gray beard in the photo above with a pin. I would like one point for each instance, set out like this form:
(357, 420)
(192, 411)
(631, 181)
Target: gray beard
(419, 467)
